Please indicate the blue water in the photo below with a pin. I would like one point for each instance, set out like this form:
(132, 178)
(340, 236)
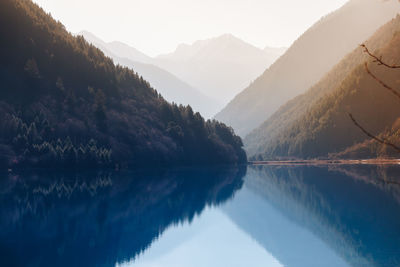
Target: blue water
(238, 216)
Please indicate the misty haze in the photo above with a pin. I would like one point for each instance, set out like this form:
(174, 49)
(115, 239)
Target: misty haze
(200, 133)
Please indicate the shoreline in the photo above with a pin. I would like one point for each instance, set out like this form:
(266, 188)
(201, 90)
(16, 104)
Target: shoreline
(317, 162)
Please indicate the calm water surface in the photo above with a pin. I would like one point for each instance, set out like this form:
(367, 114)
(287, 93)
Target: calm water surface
(259, 216)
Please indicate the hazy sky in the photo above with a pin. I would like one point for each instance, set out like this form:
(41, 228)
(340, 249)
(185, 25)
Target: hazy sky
(158, 26)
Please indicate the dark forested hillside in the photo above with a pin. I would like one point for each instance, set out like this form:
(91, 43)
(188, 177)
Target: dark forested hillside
(309, 58)
(63, 103)
(317, 124)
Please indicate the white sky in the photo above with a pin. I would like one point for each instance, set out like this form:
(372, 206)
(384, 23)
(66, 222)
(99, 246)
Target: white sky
(158, 26)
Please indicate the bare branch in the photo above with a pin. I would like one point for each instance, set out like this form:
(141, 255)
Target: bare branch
(382, 141)
(393, 91)
(378, 59)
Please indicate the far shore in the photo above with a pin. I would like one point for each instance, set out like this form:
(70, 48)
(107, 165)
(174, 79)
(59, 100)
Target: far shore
(329, 162)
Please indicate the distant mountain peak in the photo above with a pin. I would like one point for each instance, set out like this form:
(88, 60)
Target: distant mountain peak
(201, 49)
(223, 40)
(220, 66)
(118, 48)
(228, 36)
(89, 36)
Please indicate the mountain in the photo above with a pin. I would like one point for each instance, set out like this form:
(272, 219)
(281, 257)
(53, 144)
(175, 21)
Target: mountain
(170, 87)
(118, 49)
(220, 66)
(316, 124)
(193, 73)
(307, 61)
(64, 104)
(125, 51)
(372, 149)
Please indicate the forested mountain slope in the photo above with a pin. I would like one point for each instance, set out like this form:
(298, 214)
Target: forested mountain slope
(307, 61)
(171, 87)
(323, 127)
(371, 148)
(63, 103)
(260, 139)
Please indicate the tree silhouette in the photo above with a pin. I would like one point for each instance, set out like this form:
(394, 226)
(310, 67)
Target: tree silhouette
(380, 62)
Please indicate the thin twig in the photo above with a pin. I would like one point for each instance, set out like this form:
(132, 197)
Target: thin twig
(382, 141)
(393, 91)
(379, 59)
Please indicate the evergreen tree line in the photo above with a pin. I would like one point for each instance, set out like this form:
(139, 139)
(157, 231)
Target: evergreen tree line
(33, 145)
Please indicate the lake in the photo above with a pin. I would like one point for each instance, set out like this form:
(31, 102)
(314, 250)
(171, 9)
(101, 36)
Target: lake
(337, 215)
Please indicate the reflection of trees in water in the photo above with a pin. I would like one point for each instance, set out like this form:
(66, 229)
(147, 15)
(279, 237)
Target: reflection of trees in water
(101, 219)
(385, 177)
(350, 208)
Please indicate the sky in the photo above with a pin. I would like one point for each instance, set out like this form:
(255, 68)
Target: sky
(158, 26)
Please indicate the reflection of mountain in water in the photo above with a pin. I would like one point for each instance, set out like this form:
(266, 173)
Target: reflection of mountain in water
(102, 219)
(352, 210)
